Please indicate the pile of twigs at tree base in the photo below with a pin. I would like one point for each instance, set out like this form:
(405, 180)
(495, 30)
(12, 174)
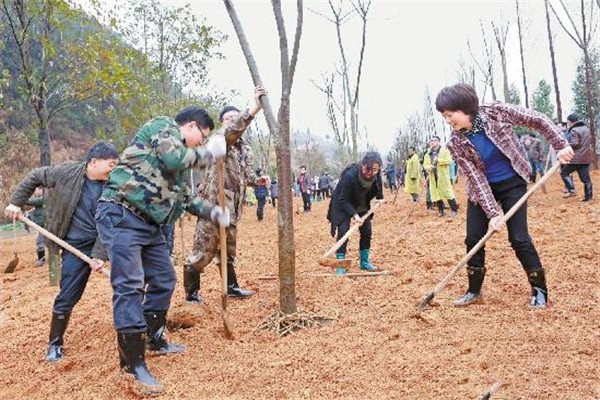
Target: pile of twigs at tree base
(284, 324)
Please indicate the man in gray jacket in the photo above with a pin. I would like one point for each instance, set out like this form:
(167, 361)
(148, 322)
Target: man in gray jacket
(581, 142)
(76, 187)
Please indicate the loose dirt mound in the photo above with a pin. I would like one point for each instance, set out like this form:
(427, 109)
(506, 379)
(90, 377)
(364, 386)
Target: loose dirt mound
(375, 349)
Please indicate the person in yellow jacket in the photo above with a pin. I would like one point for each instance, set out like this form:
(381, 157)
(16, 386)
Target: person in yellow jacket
(437, 163)
(413, 174)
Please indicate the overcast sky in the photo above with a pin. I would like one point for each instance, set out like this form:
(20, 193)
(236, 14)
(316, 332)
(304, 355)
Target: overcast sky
(410, 45)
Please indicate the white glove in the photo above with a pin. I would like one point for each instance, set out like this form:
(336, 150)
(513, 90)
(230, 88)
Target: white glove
(216, 146)
(12, 211)
(219, 216)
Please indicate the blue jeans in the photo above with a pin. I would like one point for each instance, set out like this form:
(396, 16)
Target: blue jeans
(142, 276)
(536, 166)
(73, 279)
(260, 208)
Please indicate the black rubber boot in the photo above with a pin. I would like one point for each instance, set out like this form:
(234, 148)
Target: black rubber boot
(132, 348)
(233, 288)
(539, 291)
(429, 205)
(58, 326)
(441, 206)
(473, 294)
(41, 258)
(157, 337)
(453, 207)
(191, 284)
(587, 189)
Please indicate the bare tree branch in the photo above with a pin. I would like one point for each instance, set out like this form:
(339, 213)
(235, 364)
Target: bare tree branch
(237, 25)
(563, 25)
(296, 49)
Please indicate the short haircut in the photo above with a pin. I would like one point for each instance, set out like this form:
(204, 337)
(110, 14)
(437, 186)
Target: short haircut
(460, 97)
(195, 114)
(573, 117)
(225, 110)
(436, 137)
(370, 158)
(413, 148)
(303, 166)
(101, 151)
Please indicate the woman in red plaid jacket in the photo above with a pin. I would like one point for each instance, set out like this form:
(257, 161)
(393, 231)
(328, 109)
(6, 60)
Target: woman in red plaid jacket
(497, 169)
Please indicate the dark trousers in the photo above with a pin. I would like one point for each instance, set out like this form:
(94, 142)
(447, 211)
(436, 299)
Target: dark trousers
(507, 193)
(142, 276)
(74, 276)
(260, 208)
(365, 234)
(169, 233)
(274, 201)
(583, 170)
(306, 200)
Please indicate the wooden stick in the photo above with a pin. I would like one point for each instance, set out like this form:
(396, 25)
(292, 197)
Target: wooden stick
(12, 265)
(353, 229)
(544, 190)
(61, 243)
(223, 244)
(442, 284)
(415, 202)
(347, 274)
(493, 389)
(355, 274)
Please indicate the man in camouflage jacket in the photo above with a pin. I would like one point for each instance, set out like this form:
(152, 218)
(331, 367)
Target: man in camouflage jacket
(238, 174)
(147, 189)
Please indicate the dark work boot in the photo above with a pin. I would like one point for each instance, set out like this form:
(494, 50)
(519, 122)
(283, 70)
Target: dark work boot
(58, 326)
(587, 189)
(233, 288)
(132, 348)
(539, 291)
(41, 258)
(157, 337)
(453, 207)
(429, 205)
(440, 205)
(473, 294)
(191, 285)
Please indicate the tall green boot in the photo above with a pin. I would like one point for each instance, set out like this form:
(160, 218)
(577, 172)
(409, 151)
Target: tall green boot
(340, 270)
(365, 264)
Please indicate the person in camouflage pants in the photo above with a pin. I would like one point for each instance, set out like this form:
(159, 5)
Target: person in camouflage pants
(147, 189)
(238, 174)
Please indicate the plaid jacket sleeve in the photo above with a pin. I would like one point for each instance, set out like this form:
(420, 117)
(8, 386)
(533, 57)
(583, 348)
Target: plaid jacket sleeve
(516, 115)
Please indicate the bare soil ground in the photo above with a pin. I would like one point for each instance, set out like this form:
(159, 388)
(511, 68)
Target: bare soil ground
(374, 349)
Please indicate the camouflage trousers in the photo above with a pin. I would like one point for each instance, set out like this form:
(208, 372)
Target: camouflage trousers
(207, 244)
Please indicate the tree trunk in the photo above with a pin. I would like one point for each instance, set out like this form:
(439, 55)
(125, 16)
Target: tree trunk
(554, 74)
(589, 99)
(281, 131)
(522, 56)
(285, 219)
(44, 136)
